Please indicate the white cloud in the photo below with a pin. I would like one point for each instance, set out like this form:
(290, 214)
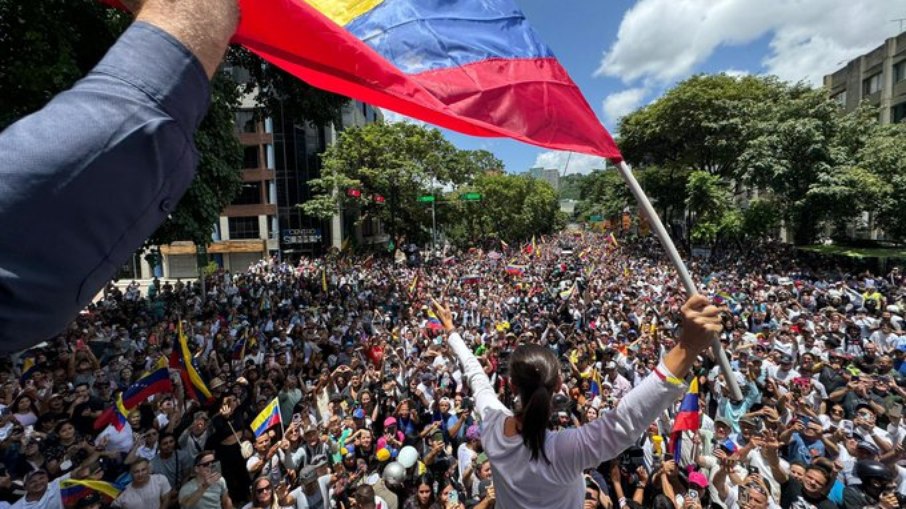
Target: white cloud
(736, 73)
(392, 117)
(572, 162)
(666, 40)
(622, 103)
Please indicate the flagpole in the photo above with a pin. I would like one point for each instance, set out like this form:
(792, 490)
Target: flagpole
(674, 256)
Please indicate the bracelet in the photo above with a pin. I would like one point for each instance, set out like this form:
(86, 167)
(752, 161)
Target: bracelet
(669, 379)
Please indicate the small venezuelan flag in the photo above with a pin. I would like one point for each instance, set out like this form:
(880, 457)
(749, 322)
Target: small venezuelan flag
(268, 418)
(73, 490)
(688, 418)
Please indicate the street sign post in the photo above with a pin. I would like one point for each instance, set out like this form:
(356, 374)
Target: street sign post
(470, 197)
(428, 198)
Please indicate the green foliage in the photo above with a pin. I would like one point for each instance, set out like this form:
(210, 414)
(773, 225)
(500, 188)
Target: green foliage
(603, 193)
(571, 186)
(513, 208)
(701, 124)
(883, 155)
(760, 219)
(46, 46)
(218, 178)
(281, 95)
(399, 161)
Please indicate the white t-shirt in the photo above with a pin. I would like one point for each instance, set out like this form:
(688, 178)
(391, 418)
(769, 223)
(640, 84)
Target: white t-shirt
(147, 496)
(523, 483)
(50, 500)
(117, 441)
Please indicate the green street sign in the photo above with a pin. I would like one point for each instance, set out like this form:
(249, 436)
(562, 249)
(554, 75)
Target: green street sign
(470, 196)
(596, 218)
(428, 198)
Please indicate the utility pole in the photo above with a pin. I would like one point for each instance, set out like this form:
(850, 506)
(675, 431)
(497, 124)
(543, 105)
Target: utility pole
(901, 21)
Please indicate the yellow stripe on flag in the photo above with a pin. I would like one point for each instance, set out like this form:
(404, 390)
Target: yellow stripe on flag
(269, 411)
(342, 12)
(194, 377)
(100, 486)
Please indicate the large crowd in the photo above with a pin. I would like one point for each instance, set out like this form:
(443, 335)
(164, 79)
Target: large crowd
(372, 409)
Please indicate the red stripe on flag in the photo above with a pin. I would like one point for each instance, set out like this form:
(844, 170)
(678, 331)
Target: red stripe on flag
(468, 99)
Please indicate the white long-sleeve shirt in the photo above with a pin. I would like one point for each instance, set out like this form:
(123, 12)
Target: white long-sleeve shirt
(520, 482)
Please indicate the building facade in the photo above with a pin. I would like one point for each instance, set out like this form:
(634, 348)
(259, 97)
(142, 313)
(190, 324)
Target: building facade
(550, 176)
(878, 77)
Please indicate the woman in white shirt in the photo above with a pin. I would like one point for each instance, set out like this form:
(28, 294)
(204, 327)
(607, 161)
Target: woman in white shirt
(534, 467)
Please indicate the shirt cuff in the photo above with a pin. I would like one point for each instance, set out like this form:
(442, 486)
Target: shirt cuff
(665, 375)
(156, 63)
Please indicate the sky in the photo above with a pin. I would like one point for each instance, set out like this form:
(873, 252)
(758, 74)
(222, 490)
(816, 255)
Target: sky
(624, 54)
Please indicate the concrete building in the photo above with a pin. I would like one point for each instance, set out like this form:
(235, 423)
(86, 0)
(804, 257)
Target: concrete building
(280, 156)
(552, 177)
(878, 77)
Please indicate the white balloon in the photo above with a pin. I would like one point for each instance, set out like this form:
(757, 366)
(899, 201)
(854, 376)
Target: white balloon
(407, 456)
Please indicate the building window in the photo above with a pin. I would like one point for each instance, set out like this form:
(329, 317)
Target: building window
(840, 98)
(871, 84)
(899, 71)
(251, 157)
(244, 228)
(249, 194)
(245, 121)
(898, 113)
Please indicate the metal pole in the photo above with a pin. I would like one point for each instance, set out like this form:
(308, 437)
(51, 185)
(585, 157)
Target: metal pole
(667, 243)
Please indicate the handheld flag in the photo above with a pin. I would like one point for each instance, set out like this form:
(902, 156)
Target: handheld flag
(324, 279)
(268, 417)
(116, 415)
(433, 321)
(470, 279)
(515, 270)
(182, 360)
(475, 67)
(28, 369)
(413, 286)
(613, 240)
(73, 490)
(239, 349)
(687, 419)
(153, 383)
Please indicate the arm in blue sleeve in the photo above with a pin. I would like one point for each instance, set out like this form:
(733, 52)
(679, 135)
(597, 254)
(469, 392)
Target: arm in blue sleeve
(85, 180)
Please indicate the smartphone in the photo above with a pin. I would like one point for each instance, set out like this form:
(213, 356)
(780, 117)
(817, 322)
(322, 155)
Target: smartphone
(753, 470)
(297, 417)
(692, 494)
(216, 467)
(847, 425)
(453, 498)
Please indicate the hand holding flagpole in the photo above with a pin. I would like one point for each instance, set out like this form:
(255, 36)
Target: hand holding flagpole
(691, 290)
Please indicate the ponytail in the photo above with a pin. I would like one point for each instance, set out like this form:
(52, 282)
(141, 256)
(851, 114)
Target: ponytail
(535, 371)
(536, 414)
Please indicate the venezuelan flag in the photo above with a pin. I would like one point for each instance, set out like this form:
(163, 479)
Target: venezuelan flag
(115, 415)
(413, 286)
(182, 360)
(470, 279)
(475, 67)
(515, 270)
(153, 383)
(239, 349)
(268, 417)
(28, 369)
(688, 418)
(433, 322)
(73, 490)
(595, 382)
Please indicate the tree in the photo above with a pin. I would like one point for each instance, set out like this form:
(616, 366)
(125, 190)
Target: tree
(281, 95)
(882, 156)
(46, 46)
(399, 161)
(513, 208)
(804, 141)
(218, 175)
(703, 123)
(708, 200)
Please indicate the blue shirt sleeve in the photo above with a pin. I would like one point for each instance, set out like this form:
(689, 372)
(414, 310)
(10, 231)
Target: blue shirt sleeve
(85, 180)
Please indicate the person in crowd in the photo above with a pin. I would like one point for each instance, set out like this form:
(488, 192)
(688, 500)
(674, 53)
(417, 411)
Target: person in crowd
(146, 490)
(384, 402)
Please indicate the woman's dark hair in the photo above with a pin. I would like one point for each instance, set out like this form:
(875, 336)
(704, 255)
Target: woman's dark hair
(534, 370)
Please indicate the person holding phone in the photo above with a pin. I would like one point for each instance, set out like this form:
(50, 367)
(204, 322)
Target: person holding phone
(206, 489)
(533, 467)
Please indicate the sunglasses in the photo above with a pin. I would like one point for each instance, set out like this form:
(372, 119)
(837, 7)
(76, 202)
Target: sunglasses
(205, 464)
(262, 489)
